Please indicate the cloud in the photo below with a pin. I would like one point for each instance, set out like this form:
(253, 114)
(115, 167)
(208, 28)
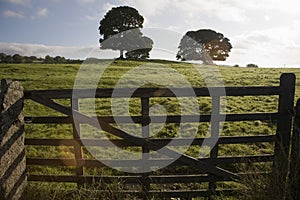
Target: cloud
(251, 39)
(86, 1)
(20, 2)
(266, 48)
(9, 13)
(91, 18)
(287, 6)
(42, 12)
(220, 9)
(108, 6)
(40, 50)
(149, 8)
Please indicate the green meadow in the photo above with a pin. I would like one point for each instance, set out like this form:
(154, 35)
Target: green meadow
(133, 74)
(62, 76)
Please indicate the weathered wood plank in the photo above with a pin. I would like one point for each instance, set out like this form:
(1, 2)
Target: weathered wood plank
(51, 161)
(155, 119)
(150, 92)
(284, 129)
(76, 136)
(215, 134)
(140, 162)
(159, 142)
(145, 104)
(294, 177)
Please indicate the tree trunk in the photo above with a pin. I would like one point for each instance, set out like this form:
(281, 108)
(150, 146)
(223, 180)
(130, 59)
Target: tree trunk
(121, 54)
(207, 60)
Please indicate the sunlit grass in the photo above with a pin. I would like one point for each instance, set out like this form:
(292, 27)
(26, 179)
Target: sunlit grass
(62, 76)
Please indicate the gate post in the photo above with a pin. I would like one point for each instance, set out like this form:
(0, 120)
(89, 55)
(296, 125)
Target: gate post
(283, 132)
(12, 150)
(145, 152)
(294, 178)
(78, 145)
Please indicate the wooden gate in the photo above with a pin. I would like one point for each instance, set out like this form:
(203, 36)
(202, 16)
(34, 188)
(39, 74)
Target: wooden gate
(210, 170)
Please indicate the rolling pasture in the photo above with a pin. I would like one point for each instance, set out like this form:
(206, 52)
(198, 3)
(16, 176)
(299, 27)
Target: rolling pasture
(62, 76)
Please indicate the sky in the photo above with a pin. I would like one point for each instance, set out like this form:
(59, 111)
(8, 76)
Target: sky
(263, 32)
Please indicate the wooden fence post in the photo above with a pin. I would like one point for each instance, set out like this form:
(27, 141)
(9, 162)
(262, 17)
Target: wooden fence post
(76, 136)
(215, 133)
(283, 133)
(294, 177)
(13, 179)
(145, 133)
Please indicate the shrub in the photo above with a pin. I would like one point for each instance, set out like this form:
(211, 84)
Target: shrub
(252, 65)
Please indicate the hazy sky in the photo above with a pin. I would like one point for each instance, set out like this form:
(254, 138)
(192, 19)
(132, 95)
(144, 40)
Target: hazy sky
(264, 32)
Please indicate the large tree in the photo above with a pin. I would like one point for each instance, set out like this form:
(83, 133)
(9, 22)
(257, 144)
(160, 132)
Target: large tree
(120, 30)
(205, 44)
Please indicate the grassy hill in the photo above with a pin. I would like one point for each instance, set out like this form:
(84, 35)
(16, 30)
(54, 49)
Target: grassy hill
(62, 76)
(55, 76)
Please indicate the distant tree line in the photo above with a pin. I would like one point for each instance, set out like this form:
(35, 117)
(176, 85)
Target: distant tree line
(16, 58)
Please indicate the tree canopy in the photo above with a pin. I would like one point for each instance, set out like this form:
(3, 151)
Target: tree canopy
(144, 46)
(120, 30)
(205, 44)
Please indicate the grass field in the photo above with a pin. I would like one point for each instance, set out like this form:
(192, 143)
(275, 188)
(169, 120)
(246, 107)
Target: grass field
(62, 76)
